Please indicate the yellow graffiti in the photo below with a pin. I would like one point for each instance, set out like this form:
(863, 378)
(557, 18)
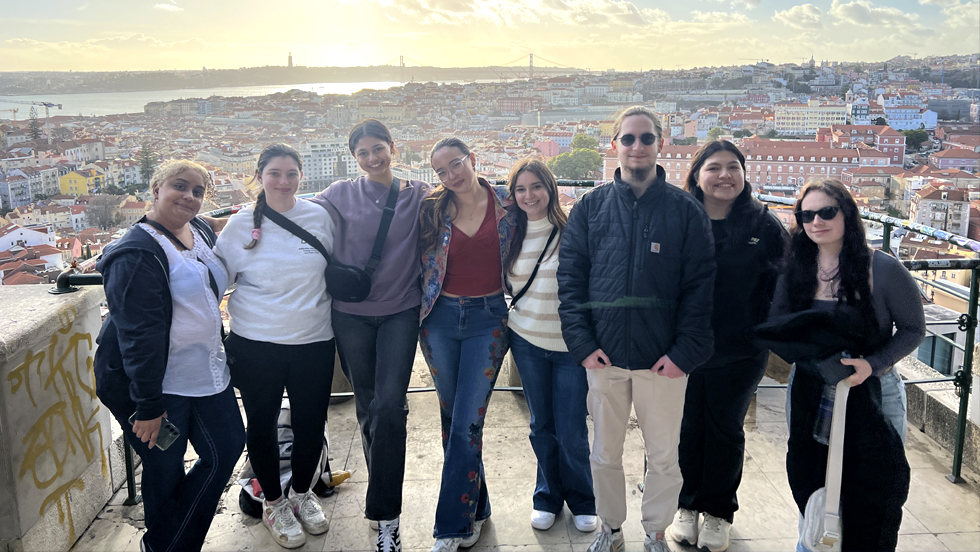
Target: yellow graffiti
(66, 428)
(59, 496)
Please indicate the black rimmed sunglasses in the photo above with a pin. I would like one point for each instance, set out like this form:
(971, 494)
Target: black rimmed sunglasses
(827, 213)
(647, 139)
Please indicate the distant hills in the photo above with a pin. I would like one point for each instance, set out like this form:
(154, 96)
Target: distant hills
(27, 83)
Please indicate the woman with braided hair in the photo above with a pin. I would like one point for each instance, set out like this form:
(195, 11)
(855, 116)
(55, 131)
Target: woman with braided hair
(281, 338)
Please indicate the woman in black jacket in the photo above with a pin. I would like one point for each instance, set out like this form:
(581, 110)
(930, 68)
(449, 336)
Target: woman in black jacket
(749, 245)
(160, 366)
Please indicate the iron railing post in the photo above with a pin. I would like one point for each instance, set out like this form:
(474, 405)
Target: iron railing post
(134, 498)
(886, 238)
(964, 379)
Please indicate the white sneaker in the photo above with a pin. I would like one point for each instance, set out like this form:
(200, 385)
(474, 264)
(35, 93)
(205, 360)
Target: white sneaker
(653, 544)
(586, 523)
(472, 539)
(607, 541)
(446, 545)
(388, 538)
(280, 520)
(542, 520)
(684, 529)
(714, 534)
(309, 512)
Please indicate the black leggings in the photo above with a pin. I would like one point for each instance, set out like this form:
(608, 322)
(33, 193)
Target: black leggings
(261, 370)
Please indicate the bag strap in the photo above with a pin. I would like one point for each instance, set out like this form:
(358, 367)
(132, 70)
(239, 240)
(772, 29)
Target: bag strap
(379, 240)
(534, 272)
(163, 230)
(295, 230)
(835, 461)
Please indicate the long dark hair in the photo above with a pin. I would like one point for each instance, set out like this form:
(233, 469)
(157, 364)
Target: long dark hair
(853, 264)
(743, 216)
(269, 153)
(434, 207)
(555, 213)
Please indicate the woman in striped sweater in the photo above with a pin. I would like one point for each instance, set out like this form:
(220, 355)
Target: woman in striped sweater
(555, 386)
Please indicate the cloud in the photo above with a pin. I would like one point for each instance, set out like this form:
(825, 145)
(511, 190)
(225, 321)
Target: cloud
(965, 16)
(720, 17)
(747, 3)
(866, 14)
(171, 7)
(805, 16)
(940, 3)
(510, 13)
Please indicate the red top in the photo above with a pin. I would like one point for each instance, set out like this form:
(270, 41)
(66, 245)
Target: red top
(473, 267)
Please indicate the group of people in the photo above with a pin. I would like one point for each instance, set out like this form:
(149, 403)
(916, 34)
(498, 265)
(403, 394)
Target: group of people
(640, 299)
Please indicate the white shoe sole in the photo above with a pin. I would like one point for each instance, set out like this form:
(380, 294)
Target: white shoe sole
(669, 533)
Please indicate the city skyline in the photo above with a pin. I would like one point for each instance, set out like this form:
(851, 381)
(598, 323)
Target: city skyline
(118, 35)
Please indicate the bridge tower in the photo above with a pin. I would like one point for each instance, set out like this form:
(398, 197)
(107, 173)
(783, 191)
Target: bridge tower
(530, 69)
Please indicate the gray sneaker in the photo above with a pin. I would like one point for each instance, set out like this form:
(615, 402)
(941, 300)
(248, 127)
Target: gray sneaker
(446, 545)
(653, 544)
(714, 535)
(684, 529)
(475, 537)
(608, 541)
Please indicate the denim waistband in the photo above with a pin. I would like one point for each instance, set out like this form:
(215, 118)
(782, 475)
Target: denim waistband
(470, 301)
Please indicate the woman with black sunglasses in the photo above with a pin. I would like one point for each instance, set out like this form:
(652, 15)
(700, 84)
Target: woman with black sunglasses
(832, 269)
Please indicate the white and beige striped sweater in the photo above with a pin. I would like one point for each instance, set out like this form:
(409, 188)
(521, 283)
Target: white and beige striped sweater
(535, 317)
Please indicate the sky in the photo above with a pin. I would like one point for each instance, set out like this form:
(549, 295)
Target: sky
(626, 35)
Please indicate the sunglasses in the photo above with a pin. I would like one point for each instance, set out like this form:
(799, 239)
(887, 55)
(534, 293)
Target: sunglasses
(827, 213)
(647, 139)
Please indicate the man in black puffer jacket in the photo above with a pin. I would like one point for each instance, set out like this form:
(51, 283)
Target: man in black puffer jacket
(635, 280)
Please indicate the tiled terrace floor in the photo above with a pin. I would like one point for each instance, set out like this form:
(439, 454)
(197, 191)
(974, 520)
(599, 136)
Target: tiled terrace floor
(939, 516)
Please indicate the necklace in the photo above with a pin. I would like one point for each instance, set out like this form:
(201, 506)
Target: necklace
(828, 274)
(388, 189)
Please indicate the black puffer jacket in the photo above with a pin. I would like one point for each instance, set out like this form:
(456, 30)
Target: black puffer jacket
(636, 277)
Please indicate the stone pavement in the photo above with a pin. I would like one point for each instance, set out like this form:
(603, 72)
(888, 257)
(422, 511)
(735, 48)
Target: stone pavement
(939, 516)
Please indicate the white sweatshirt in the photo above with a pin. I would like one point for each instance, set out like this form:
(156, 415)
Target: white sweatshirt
(281, 295)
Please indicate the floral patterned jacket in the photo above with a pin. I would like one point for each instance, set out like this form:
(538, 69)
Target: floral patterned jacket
(434, 262)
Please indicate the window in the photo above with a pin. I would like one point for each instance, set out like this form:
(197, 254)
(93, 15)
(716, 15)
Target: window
(937, 353)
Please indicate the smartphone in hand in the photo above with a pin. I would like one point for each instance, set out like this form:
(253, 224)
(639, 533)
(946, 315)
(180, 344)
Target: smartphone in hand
(168, 432)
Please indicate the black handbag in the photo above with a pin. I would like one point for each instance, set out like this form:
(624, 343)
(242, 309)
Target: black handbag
(344, 282)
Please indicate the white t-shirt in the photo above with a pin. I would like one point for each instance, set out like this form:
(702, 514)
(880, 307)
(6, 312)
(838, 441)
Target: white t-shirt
(196, 361)
(281, 295)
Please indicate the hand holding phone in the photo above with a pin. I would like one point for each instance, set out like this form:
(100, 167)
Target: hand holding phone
(159, 432)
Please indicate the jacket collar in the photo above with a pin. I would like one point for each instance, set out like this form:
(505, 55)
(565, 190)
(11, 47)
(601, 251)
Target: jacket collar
(653, 192)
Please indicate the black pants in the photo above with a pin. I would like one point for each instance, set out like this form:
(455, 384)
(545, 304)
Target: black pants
(261, 371)
(377, 354)
(712, 446)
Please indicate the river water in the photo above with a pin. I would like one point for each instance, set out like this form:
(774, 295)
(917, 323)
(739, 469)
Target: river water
(108, 103)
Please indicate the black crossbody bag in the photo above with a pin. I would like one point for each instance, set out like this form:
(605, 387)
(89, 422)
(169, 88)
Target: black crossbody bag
(344, 282)
(534, 273)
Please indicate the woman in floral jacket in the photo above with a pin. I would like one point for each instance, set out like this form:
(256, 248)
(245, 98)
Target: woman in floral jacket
(465, 233)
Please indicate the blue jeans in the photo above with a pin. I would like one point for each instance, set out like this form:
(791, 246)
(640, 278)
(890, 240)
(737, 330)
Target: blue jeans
(556, 387)
(894, 402)
(377, 353)
(464, 340)
(179, 507)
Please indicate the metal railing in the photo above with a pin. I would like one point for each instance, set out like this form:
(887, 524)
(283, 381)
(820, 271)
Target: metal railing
(967, 322)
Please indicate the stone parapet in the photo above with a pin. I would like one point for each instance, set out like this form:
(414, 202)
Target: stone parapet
(933, 408)
(55, 437)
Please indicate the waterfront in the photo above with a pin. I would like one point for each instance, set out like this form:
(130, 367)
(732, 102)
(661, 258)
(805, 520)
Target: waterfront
(110, 103)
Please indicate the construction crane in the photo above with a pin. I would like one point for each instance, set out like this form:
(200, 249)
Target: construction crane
(12, 111)
(47, 114)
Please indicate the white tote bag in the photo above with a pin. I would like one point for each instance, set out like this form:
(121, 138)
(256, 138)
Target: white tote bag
(821, 530)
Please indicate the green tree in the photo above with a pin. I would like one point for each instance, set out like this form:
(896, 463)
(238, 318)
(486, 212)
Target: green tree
(34, 128)
(915, 138)
(576, 165)
(582, 141)
(772, 134)
(714, 133)
(88, 252)
(716, 82)
(880, 121)
(147, 160)
(742, 133)
(112, 189)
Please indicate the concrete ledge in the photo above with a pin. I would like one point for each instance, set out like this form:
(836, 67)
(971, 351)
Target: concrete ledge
(55, 436)
(934, 409)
